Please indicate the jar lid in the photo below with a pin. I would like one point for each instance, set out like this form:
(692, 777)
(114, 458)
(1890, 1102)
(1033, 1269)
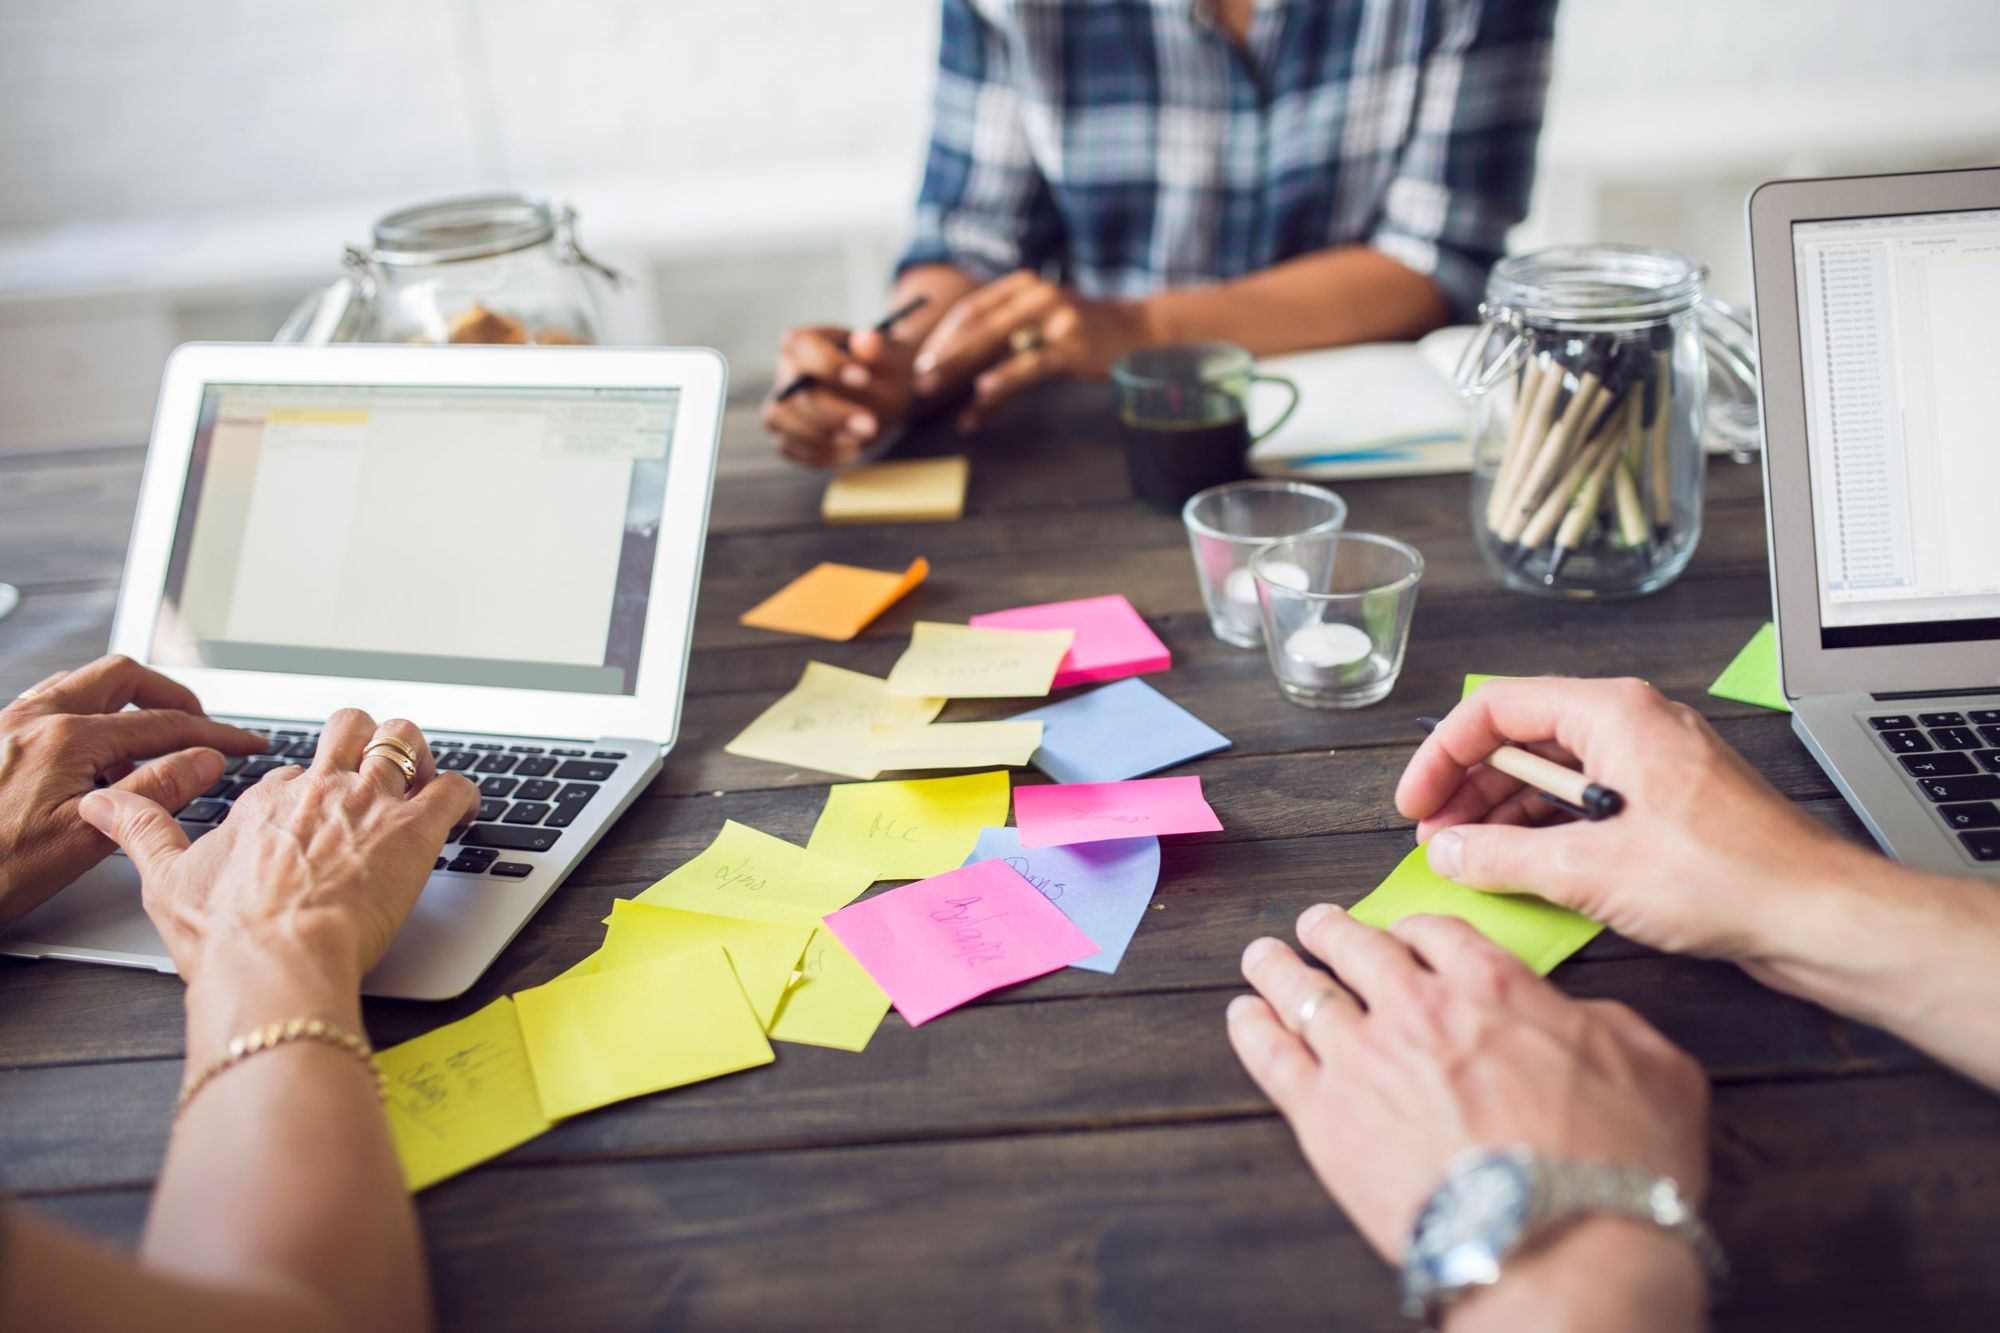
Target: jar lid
(1595, 286)
(476, 226)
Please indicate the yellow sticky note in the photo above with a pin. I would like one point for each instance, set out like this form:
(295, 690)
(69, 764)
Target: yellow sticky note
(628, 1031)
(460, 1094)
(832, 601)
(953, 744)
(748, 873)
(1752, 675)
(906, 490)
(582, 967)
(1533, 929)
(823, 722)
(969, 662)
(836, 1003)
(764, 954)
(913, 829)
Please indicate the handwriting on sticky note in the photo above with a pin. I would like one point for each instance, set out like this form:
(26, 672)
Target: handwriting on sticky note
(937, 943)
(1063, 814)
(836, 1003)
(460, 1094)
(748, 873)
(1102, 886)
(910, 829)
(1112, 639)
(961, 662)
(824, 722)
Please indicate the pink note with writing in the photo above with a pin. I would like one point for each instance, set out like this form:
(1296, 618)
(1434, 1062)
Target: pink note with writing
(1075, 812)
(937, 943)
(1112, 641)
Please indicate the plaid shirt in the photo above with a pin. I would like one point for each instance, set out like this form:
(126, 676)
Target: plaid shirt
(1133, 146)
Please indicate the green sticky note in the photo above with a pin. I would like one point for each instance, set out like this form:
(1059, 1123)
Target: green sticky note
(1752, 678)
(1474, 681)
(1533, 929)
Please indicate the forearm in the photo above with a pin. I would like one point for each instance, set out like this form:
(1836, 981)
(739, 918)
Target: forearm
(1330, 298)
(281, 1174)
(1908, 952)
(1602, 1273)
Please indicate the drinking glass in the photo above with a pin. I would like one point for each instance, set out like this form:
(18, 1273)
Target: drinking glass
(1336, 636)
(1184, 410)
(1226, 525)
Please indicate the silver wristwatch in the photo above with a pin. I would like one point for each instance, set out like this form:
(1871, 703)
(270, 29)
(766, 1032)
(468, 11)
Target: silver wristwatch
(1496, 1202)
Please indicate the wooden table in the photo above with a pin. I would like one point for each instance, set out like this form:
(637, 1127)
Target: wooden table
(1082, 1151)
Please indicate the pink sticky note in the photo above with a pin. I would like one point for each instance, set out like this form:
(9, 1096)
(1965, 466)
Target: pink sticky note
(937, 943)
(1075, 812)
(1112, 641)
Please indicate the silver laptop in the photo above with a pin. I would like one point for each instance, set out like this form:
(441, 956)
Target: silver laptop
(500, 543)
(1878, 332)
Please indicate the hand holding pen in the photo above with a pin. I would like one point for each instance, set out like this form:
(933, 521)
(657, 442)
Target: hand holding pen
(841, 392)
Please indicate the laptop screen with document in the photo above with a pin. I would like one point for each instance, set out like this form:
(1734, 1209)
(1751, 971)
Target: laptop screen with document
(498, 536)
(1899, 326)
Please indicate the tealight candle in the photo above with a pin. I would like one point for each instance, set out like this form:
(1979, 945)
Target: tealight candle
(1241, 585)
(1328, 645)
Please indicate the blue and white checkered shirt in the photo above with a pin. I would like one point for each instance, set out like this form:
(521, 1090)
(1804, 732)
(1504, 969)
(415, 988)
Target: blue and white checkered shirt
(1132, 146)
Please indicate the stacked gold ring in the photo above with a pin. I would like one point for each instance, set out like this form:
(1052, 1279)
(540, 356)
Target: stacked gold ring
(400, 753)
(1025, 339)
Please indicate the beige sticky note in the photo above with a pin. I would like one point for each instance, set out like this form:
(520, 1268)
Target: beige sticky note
(628, 1031)
(824, 721)
(748, 873)
(836, 1003)
(460, 1094)
(765, 954)
(831, 601)
(896, 746)
(911, 829)
(965, 662)
(908, 490)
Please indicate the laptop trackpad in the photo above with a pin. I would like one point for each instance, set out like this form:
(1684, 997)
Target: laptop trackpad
(97, 919)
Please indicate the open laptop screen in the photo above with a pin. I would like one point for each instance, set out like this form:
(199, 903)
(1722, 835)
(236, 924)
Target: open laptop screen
(467, 536)
(1900, 322)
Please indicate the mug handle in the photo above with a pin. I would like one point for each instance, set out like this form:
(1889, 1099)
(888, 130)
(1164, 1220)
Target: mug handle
(1283, 416)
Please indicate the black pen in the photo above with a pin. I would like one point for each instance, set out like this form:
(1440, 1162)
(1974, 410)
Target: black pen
(1564, 788)
(882, 325)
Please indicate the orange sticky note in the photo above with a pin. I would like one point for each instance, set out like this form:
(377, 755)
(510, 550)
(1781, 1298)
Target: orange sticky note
(832, 601)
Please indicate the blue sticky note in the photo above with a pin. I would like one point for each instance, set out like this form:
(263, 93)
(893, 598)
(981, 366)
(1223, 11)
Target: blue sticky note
(1124, 730)
(1102, 887)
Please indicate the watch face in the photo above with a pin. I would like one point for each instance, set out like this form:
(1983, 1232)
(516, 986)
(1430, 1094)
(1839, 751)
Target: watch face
(1472, 1223)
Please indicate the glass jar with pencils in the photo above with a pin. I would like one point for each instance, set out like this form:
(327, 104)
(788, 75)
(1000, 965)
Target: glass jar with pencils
(1591, 384)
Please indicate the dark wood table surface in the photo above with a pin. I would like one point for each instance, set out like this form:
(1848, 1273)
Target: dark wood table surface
(1082, 1151)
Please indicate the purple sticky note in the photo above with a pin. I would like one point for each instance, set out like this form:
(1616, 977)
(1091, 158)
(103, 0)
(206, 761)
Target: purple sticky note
(1102, 886)
(1067, 813)
(1112, 639)
(937, 943)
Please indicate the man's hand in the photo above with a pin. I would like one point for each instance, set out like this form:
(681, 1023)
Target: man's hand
(1077, 336)
(72, 729)
(1705, 858)
(864, 392)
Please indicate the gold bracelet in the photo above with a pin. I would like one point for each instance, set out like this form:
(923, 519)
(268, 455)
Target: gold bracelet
(247, 1044)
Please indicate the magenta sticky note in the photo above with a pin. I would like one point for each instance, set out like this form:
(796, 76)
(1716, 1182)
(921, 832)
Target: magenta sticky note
(1112, 640)
(935, 944)
(1057, 816)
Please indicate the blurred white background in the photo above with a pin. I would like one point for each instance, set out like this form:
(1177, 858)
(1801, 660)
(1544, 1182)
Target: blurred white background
(191, 169)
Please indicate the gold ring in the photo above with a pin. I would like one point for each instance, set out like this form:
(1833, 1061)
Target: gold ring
(1025, 339)
(28, 693)
(395, 752)
(402, 747)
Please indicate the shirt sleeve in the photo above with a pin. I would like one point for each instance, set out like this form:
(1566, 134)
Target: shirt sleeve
(984, 205)
(1464, 174)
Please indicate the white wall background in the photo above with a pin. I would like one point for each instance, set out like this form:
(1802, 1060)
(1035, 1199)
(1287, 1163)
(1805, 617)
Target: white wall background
(189, 168)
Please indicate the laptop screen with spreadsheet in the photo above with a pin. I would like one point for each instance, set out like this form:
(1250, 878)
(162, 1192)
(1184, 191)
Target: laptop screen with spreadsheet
(491, 536)
(1899, 320)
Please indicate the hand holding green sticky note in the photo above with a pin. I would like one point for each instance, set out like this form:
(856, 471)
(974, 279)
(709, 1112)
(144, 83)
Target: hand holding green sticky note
(1533, 929)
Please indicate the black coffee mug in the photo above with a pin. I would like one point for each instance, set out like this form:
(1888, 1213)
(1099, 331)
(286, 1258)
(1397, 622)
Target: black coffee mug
(1183, 411)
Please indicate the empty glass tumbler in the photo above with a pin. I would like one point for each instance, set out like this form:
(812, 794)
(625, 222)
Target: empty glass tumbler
(1337, 608)
(1226, 525)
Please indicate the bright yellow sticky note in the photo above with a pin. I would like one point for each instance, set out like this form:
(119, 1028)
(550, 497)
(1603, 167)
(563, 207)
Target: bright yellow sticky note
(913, 829)
(582, 967)
(835, 1003)
(832, 601)
(907, 490)
(1752, 675)
(460, 1094)
(823, 723)
(628, 1031)
(748, 873)
(1533, 929)
(968, 662)
(953, 744)
(764, 954)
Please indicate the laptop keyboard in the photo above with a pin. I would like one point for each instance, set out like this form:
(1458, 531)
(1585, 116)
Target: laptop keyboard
(1954, 758)
(528, 794)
